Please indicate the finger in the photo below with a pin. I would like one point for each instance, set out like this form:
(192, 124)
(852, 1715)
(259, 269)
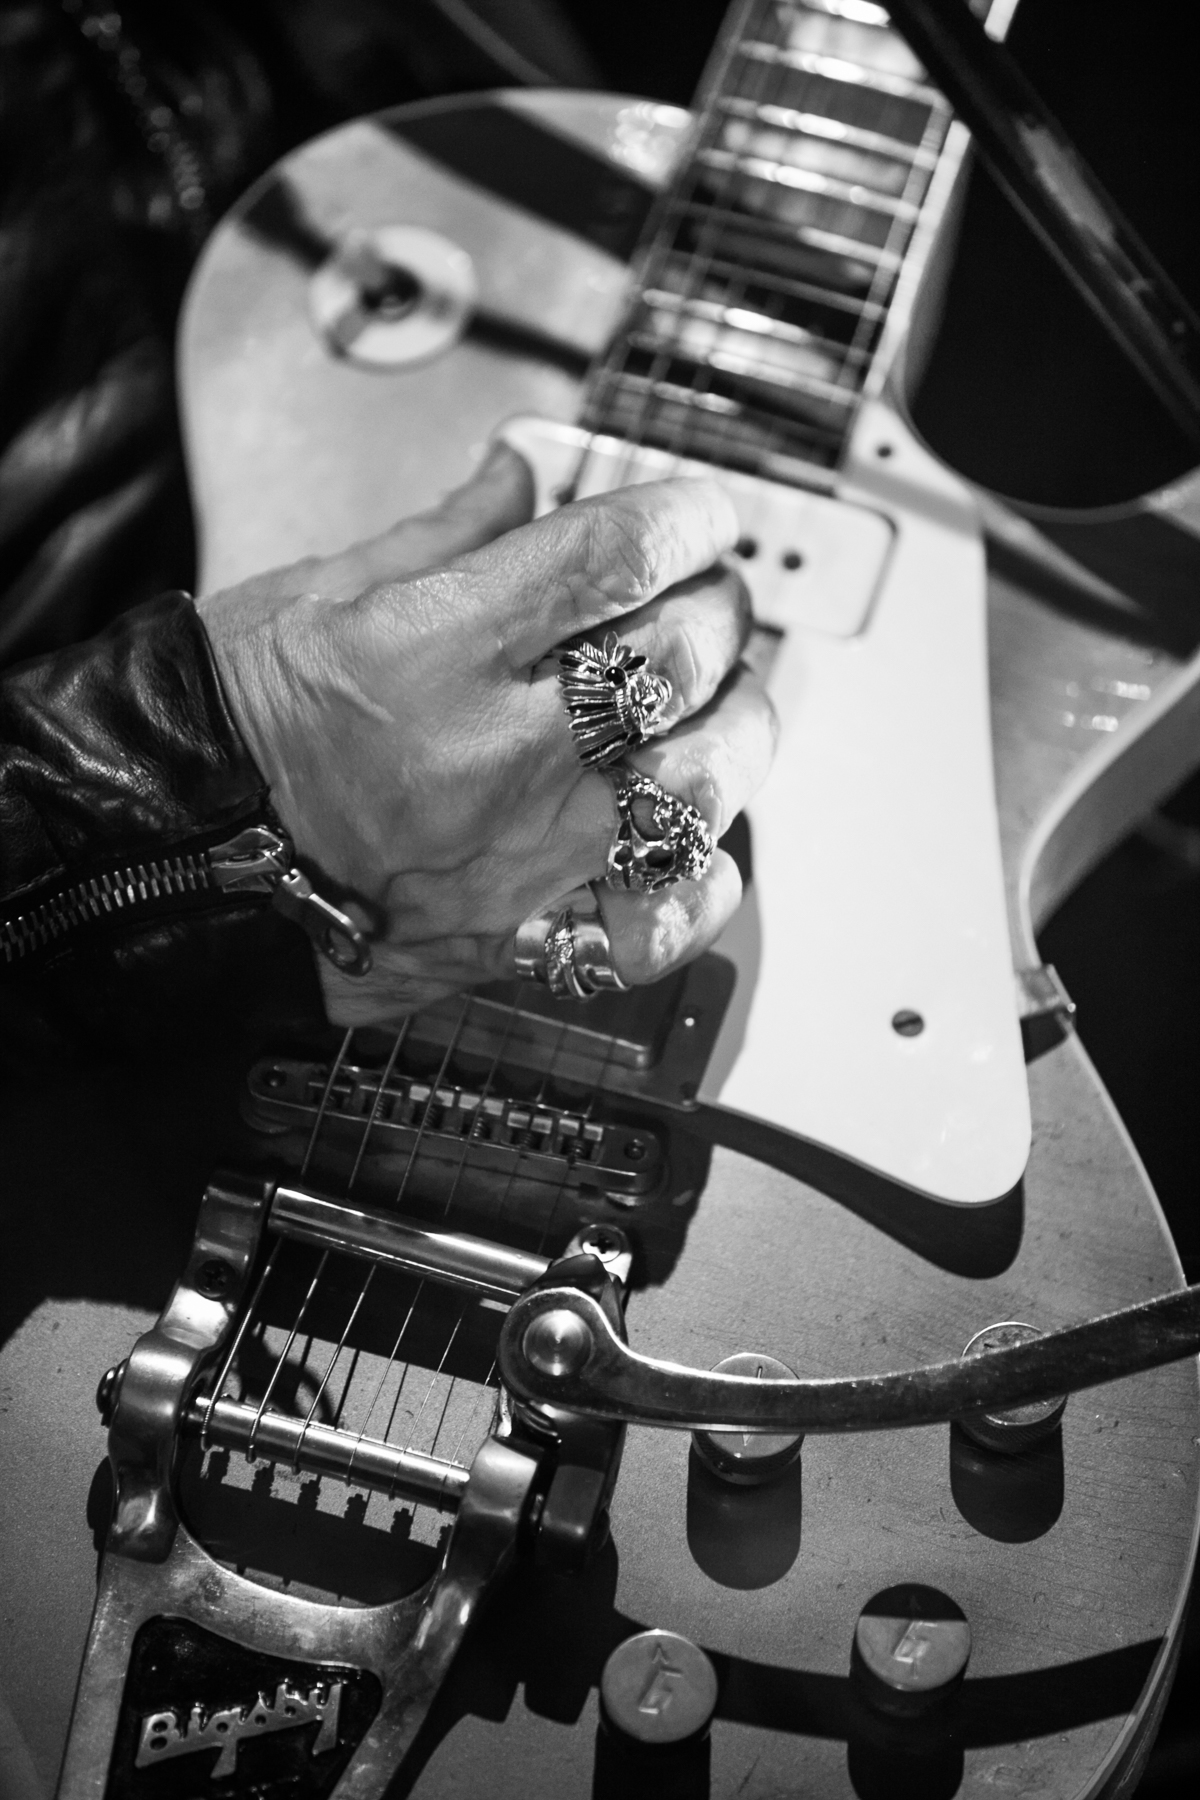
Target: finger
(590, 562)
(497, 498)
(718, 758)
(651, 934)
(692, 635)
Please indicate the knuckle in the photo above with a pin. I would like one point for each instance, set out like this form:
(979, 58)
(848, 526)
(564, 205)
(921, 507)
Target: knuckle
(622, 557)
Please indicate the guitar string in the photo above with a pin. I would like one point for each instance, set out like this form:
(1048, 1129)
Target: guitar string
(663, 246)
(339, 1063)
(701, 382)
(847, 374)
(478, 1115)
(335, 1069)
(693, 281)
(596, 1087)
(854, 358)
(506, 1193)
(250, 1317)
(372, 1115)
(703, 256)
(659, 238)
(369, 1277)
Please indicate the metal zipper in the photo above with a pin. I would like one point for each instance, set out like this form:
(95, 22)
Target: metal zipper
(258, 860)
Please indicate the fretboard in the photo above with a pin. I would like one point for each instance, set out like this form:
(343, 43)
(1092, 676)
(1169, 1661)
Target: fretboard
(771, 261)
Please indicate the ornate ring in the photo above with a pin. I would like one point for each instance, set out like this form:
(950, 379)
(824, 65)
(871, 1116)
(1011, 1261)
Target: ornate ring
(674, 844)
(614, 700)
(568, 950)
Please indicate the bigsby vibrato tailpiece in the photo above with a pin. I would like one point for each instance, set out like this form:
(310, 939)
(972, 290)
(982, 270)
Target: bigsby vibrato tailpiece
(209, 1682)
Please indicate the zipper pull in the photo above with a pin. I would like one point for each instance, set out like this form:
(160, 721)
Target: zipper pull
(259, 860)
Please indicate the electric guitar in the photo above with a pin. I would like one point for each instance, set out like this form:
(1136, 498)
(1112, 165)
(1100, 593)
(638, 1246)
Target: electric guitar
(854, 1138)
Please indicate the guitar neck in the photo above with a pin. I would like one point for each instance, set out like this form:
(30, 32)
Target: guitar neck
(775, 258)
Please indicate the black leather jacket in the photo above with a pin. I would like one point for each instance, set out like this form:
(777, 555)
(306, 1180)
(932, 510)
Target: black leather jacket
(123, 136)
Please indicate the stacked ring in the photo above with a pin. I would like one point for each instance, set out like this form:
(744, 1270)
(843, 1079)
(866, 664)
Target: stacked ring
(568, 950)
(674, 844)
(614, 699)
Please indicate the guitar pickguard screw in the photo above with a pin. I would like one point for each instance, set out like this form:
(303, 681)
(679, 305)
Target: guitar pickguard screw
(214, 1278)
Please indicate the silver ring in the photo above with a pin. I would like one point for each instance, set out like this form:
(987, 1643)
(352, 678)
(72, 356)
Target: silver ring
(678, 848)
(568, 950)
(614, 699)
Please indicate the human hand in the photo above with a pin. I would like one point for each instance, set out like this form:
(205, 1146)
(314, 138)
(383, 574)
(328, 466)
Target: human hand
(398, 700)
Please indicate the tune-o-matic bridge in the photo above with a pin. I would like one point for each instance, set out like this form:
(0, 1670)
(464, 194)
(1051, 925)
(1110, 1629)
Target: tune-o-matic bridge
(473, 1132)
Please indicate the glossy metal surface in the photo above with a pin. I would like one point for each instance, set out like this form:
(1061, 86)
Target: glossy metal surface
(612, 1381)
(471, 1263)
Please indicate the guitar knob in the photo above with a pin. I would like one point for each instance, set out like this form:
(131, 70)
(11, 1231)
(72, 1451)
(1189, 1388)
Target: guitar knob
(658, 1689)
(749, 1458)
(1016, 1427)
(911, 1647)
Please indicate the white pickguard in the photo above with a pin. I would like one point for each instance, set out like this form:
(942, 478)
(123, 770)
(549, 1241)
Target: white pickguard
(878, 885)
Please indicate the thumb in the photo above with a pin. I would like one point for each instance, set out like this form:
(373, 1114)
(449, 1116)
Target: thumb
(497, 498)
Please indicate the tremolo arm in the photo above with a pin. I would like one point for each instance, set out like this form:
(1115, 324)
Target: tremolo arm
(557, 1347)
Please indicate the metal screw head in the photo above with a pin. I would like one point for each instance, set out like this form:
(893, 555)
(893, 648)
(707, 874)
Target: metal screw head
(213, 1278)
(557, 1343)
(106, 1392)
(749, 1458)
(911, 1648)
(907, 1023)
(658, 1688)
(1015, 1427)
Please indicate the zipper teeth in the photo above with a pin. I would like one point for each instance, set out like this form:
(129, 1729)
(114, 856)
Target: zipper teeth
(117, 892)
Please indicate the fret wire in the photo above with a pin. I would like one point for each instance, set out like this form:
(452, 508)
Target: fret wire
(684, 180)
(728, 363)
(807, 181)
(334, 1070)
(762, 85)
(736, 90)
(800, 290)
(697, 264)
(397, 1045)
(615, 357)
(836, 68)
(810, 236)
(935, 135)
(721, 406)
(832, 131)
(716, 312)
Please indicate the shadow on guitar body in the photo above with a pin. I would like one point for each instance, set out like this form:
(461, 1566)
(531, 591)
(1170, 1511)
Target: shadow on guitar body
(550, 1636)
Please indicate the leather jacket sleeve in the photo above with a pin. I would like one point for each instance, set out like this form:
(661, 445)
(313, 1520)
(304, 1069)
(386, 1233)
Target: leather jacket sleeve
(120, 769)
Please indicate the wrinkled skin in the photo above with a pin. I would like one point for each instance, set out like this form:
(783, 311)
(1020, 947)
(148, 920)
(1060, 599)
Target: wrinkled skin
(400, 700)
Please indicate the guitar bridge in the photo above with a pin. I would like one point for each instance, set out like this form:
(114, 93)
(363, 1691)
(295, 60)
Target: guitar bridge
(453, 1135)
(312, 1337)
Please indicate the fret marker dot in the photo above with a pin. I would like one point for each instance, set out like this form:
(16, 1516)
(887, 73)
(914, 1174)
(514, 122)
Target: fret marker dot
(746, 547)
(792, 559)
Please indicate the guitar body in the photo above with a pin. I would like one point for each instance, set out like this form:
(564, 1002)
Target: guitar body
(824, 1248)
